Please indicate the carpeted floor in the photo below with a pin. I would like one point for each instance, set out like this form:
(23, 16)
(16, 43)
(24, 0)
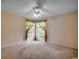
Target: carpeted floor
(35, 50)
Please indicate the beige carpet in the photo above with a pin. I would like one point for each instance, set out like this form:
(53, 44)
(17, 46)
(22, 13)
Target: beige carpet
(35, 50)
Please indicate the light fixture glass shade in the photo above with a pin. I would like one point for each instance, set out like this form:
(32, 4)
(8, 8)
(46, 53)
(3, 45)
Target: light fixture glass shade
(36, 16)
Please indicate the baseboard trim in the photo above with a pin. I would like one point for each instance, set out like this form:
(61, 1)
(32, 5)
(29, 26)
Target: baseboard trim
(62, 46)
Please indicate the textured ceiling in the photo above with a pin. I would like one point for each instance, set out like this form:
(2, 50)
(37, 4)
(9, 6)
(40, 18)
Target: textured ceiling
(51, 7)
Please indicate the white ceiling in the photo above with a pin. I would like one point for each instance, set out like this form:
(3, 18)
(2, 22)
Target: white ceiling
(52, 7)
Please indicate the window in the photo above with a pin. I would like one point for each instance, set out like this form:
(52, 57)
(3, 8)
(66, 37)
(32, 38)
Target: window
(40, 30)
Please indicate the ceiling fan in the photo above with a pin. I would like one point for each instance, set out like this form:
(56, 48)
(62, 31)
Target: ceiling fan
(39, 9)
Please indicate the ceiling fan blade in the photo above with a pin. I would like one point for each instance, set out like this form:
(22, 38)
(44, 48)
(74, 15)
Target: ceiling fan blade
(40, 3)
(46, 11)
(28, 12)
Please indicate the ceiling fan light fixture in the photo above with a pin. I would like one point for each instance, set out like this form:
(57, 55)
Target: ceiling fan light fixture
(36, 16)
(36, 12)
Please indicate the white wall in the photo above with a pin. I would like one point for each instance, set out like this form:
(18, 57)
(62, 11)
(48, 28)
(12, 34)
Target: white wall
(62, 29)
(12, 28)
